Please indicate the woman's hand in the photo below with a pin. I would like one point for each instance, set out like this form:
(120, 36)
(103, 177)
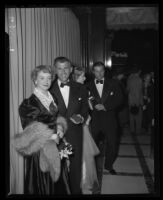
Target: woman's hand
(90, 103)
(55, 137)
(88, 120)
(60, 134)
(60, 131)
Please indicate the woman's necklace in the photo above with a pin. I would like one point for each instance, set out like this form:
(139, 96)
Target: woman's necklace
(46, 100)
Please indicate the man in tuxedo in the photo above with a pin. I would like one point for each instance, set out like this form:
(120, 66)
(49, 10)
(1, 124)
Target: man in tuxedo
(72, 104)
(106, 97)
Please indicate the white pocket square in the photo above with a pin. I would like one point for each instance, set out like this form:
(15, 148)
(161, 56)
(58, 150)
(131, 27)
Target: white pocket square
(79, 99)
(111, 93)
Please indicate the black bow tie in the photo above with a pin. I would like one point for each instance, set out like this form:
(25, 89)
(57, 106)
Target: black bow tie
(64, 84)
(99, 81)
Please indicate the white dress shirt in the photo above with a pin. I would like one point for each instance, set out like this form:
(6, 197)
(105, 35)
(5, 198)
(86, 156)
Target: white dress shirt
(99, 87)
(65, 92)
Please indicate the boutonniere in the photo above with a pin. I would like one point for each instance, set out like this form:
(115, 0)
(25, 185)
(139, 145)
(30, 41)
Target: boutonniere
(79, 99)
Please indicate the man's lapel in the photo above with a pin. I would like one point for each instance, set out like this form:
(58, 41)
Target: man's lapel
(95, 91)
(59, 96)
(72, 94)
(105, 91)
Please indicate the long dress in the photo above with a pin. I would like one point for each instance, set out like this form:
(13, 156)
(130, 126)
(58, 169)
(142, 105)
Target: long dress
(36, 181)
(90, 150)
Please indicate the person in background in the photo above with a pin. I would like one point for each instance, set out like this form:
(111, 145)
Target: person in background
(40, 107)
(146, 99)
(149, 107)
(72, 101)
(106, 98)
(89, 180)
(135, 100)
(123, 113)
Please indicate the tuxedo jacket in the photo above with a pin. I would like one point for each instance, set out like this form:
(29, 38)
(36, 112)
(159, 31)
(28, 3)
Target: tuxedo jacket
(111, 98)
(77, 104)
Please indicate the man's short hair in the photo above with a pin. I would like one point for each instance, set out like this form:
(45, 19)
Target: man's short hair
(61, 60)
(98, 64)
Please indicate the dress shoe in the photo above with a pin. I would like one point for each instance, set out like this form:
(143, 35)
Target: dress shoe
(111, 171)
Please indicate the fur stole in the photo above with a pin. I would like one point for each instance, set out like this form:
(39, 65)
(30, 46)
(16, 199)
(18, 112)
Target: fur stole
(36, 137)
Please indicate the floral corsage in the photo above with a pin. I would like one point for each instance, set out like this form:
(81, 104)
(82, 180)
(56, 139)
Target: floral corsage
(65, 149)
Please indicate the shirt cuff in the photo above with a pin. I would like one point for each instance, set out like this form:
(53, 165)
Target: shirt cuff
(82, 119)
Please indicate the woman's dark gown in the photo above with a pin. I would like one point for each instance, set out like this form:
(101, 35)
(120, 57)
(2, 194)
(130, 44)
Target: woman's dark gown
(36, 181)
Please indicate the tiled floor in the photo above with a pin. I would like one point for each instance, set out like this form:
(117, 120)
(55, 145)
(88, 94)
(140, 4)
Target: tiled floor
(123, 185)
(127, 150)
(135, 169)
(128, 165)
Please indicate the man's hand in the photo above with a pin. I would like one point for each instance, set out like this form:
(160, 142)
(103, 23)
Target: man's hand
(77, 119)
(100, 107)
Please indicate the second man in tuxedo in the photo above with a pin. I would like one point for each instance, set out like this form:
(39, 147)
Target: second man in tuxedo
(106, 96)
(72, 104)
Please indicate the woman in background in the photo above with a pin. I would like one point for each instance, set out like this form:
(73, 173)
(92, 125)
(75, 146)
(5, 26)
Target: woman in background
(89, 175)
(135, 100)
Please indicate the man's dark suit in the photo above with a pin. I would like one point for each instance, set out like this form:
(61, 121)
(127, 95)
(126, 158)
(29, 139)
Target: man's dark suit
(106, 121)
(78, 104)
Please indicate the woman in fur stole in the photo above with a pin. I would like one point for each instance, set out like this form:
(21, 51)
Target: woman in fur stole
(39, 142)
(89, 181)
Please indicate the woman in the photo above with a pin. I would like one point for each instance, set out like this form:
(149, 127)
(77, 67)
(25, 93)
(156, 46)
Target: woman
(90, 150)
(38, 114)
(135, 100)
